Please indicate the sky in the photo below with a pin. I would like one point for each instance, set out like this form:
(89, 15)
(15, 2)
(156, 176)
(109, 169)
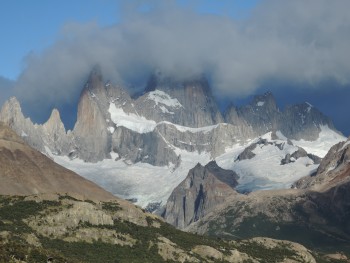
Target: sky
(297, 49)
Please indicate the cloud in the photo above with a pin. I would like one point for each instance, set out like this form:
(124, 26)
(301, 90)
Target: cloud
(303, 42)
(6, 89)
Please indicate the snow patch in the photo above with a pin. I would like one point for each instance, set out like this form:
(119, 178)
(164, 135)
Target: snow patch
(160, 97)
(23, 134)
(111, 129)
(309, 107)
(165, 110)
(345, 145)
(114, 155)
(260, 103)
(326, 139)
(130, 120)
(180, 128)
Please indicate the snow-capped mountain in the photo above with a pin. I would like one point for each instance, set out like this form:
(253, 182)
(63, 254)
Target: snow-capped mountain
(187, 103)
(142, 148)
(300, 121)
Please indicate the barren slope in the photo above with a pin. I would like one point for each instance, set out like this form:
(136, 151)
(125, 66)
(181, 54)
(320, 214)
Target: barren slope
(25, 171)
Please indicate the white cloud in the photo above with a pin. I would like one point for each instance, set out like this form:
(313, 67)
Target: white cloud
(300, 41)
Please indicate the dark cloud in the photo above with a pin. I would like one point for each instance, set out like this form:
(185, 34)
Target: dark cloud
(301, 42)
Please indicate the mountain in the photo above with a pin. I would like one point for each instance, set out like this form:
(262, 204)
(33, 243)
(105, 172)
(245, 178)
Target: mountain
(316, 214)
(262, 113)
(187, 103)
(162, 133)
(300, 121)
(333, 170)
(51, 135)
(25, 171)
(204, 188)
(50, 213)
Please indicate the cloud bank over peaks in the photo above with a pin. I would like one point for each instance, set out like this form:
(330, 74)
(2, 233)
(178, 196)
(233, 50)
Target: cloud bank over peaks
(304, 42)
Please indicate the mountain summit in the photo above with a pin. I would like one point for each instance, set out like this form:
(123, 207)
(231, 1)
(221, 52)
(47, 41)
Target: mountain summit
(188, 103)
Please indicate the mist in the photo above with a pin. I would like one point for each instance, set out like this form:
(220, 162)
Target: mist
(296, 42)
(6, 89)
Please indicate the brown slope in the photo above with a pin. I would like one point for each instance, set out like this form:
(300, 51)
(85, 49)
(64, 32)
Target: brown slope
(25, 171)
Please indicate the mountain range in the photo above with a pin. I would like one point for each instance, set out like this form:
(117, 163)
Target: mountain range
(163, 132)
(50, 214)
(251, 171)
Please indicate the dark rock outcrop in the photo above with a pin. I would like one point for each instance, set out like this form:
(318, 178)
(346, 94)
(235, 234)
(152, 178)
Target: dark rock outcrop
(204, 188)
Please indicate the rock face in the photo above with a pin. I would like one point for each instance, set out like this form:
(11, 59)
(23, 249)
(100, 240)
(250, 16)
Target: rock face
(25, 171)
(145, 147)
(204, 188)
(262, 113)
(187, 103)
(90, 131)
(301, 121)
(55, 136)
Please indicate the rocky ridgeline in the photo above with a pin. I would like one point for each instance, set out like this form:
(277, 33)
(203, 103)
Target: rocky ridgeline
(301, 121)
(169, 115)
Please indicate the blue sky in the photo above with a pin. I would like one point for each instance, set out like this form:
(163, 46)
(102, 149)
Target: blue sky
(298, 49)
(31, 26)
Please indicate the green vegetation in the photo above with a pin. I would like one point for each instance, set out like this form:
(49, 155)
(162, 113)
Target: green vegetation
(14, 231)
(261, 225)
(14, 210)
(14, 251)
(111, 206)
(276, 254)
(103, 252)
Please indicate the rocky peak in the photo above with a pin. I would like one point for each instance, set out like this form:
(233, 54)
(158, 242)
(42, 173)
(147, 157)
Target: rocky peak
(54, 122)
(185, 102)
(262, 113)
(54, 134)
(231, 116)
(94, 86)
(303, 121)
(266, 101)
(11, 114)
(203, 189)
(11, 111)
(90, 129)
